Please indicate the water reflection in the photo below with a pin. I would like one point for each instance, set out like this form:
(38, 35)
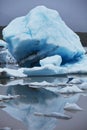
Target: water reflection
(31, 80)
(37, 100)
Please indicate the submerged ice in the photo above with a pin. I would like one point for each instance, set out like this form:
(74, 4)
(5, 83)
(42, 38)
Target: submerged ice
(43, 41)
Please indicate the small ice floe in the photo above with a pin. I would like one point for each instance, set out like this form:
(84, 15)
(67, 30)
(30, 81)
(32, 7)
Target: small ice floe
(70, 90)
(8, 97)
(8, 73)
(83, 86)
(47, 84)
(53, 89)
(76, 81)
(72, 107)
(43, 84)
(54, 115)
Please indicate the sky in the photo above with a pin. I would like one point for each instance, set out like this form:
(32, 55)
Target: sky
(73, 12)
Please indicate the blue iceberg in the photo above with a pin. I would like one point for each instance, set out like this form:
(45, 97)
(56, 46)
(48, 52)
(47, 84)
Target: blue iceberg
(39, 36)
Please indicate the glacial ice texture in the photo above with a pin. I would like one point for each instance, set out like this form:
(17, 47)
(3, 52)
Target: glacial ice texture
(39, 36)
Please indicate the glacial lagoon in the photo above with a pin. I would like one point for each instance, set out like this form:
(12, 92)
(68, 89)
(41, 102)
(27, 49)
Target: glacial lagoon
(36, 97)
(56, 102)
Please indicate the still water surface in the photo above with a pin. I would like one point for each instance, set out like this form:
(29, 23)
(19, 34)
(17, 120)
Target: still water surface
(19, 114)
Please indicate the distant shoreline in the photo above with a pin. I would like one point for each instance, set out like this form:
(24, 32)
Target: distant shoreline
(82, 35)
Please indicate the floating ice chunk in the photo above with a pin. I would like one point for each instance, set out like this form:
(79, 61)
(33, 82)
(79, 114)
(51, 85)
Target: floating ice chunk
(83, 86)
(39, 34)
(52, 89)
(8, 73)
(72, 107)
(76, 81)
(54, 115)
(43, 84)
(70, 90)
(55, 60)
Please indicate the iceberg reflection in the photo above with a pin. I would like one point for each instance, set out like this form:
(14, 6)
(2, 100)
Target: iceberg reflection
(36, 100)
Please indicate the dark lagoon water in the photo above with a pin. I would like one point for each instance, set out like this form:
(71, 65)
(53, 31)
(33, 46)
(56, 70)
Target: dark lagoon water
(19, 114)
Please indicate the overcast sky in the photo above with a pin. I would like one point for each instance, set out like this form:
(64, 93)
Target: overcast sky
(73, 12)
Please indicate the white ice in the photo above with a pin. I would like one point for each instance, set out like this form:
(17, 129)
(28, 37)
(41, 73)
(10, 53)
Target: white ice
(83, 86)
(55, 60)
(72, 107)
(11, 73)
(70, 90)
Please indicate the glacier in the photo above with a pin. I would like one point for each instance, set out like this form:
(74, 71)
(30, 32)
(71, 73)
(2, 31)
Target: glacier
(43, 44)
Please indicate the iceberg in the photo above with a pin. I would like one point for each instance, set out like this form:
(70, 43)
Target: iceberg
(40, 34)
(43, 44)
